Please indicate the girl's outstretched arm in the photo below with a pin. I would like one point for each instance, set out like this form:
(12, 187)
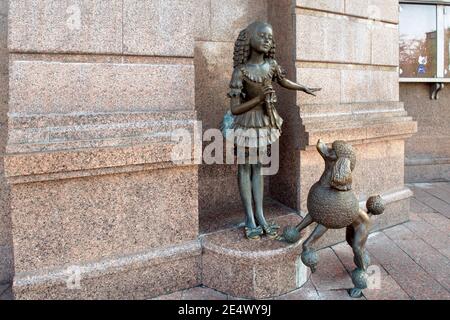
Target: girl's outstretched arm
(288, 84)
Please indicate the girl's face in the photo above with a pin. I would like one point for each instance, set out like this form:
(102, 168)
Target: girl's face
(262, 39)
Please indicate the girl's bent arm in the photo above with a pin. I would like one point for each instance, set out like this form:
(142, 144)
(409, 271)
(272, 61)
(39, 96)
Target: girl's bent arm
(239, 108)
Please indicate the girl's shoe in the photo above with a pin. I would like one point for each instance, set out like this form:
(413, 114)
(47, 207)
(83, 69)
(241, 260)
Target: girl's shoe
(271, 230)
(254, 233)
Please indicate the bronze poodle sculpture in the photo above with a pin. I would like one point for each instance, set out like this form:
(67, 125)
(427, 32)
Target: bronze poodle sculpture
(333, 205)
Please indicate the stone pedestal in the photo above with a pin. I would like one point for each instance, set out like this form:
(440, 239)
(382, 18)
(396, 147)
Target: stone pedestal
(252, 269)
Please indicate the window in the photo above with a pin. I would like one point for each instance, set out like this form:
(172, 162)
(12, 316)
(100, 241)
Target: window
(424, 41)
(447, 42)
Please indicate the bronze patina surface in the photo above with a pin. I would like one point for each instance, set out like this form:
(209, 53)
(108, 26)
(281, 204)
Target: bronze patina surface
(333, 205)
(253, 119)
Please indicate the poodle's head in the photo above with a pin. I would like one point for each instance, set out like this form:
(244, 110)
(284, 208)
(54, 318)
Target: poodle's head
(341, 160)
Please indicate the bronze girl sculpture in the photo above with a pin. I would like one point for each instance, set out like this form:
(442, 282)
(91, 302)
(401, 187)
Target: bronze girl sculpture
(254, 120)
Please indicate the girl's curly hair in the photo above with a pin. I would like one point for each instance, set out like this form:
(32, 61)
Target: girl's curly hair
(242, 45)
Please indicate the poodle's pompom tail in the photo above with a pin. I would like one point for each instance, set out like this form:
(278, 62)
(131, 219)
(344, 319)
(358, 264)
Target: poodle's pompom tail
(375, 205)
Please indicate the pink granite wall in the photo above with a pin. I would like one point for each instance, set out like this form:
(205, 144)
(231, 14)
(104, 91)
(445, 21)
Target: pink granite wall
(285, 184)
(6, 268)
(428, 152)
(96, 89)
(350, 49)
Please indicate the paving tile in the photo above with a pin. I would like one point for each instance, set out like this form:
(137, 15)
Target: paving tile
(417, 206)
(439, 193)
(430, 259)
(381, 285)
(441, 207)
(330, 273)
(400, 232)
(413, 279)
(345, 255)
(203, 293)
(173, 296)
(421, 196)
(431, 201)
(415, 216)
(337, 295)
(237, 298)
(443, 185)
(445, 252)
(389, 289)
(6, 292)
(438, 221)
(3, 288)
(433, 236)
(419, 193)
(306, 292)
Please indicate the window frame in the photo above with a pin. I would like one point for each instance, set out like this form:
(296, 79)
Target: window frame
(443, 9)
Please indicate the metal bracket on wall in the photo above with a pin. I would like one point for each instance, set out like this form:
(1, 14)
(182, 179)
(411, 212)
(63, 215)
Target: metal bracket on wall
(435, 88)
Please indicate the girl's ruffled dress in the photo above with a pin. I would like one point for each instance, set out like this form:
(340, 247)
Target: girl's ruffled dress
(253, 129)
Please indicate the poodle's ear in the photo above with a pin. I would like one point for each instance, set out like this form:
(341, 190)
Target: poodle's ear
(342, 174)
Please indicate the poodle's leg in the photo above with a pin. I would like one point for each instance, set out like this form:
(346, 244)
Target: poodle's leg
(318, 232)
(361, 226)
(350, 235)
(305, 223)
(361, 232)
(292, 235)
(245, 188)
(309, 255)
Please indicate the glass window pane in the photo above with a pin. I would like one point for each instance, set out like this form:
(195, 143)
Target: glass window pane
(418, 41)
(447, 43)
